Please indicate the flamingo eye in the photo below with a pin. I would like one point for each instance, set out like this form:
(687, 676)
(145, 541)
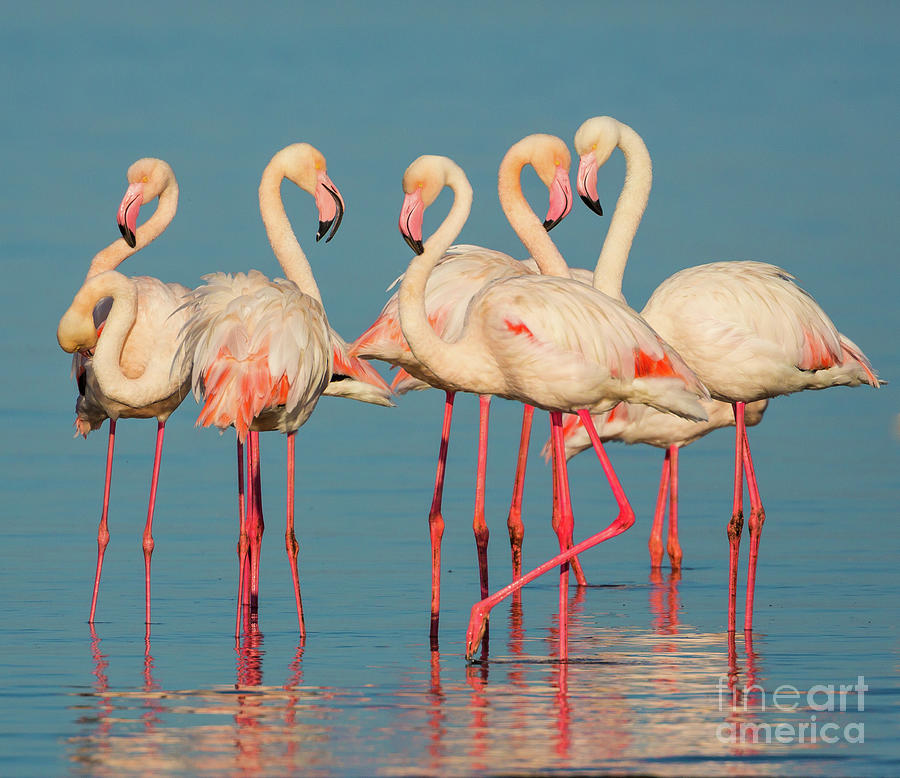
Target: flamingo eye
(144, 179)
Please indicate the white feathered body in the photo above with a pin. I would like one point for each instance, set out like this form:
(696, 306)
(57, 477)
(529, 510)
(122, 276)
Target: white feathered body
(261, 351)
(750, 332)
(560, 345)
(457, 277)
(144, 379)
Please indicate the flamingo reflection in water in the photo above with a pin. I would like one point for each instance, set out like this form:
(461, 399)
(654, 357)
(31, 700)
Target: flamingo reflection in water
(264, 733)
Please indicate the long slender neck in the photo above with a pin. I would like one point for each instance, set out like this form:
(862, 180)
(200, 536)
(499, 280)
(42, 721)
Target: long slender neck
(444, 359)
(150, 230)
(524, 220)
(281, 236)
(156, 380)
(627, 215)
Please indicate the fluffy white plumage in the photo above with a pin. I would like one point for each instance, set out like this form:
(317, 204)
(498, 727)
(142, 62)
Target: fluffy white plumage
(459, 275)
(751, 332)
(559, 344)
(262, 345)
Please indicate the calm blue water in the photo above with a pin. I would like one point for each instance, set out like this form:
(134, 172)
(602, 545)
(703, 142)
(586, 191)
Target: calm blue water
(772, 132)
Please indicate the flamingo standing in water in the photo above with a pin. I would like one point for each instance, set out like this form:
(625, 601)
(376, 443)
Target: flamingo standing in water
(544, 340)
(746, 328)
(263, 353)
(600, 136)
(458, 276)
(123, 333)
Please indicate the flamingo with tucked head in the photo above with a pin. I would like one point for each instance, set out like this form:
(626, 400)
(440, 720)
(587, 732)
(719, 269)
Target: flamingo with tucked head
(123, 333)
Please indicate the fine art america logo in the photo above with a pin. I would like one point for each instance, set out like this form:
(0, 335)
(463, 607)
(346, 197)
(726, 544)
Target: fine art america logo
(821, 702)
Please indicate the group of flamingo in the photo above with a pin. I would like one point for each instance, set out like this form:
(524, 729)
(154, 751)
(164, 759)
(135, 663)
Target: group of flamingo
(712, 344)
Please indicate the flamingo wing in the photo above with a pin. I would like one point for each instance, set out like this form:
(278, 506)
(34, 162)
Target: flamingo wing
(549, 331)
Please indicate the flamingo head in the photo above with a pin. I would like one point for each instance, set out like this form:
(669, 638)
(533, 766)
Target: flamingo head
(594, 142)
(146, 180)
(550, 158)
(305, 166)
(76, 331)
(422, 183)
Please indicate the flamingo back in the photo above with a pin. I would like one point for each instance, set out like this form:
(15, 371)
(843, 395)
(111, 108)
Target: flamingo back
(562, 341)
(750, 331)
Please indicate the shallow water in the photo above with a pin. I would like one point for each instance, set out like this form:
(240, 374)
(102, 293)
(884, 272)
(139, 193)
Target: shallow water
(772, 133)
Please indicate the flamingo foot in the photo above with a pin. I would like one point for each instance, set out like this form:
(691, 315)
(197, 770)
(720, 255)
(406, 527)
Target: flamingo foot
(478, 624)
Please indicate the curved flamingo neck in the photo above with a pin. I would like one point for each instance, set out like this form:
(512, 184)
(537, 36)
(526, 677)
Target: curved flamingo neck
(522, 218)
(108, 351)
(155, 382)
(118, 251)
(446, 360)
(627, 216)
(280, 233)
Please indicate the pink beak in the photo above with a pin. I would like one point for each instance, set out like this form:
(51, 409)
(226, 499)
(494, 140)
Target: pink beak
(560, 199)
(330, 205)
(587, 182)
(412, 214)
(128, 213)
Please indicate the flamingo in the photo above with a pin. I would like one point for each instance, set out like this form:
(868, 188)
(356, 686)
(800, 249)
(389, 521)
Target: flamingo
(263, 353)
(459, 275)
(547, 340)
(746, 328)
(123, 334)
(636, 424)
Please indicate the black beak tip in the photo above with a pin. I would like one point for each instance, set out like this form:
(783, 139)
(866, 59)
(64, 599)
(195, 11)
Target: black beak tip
(594, 205)
(323, 229)
(416, 245)
(129, 236)
(549, 224)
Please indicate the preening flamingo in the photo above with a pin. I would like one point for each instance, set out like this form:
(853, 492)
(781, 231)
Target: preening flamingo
(458, 276)
(263, 352)
(547, 341)
(123, 333)
(746, 328)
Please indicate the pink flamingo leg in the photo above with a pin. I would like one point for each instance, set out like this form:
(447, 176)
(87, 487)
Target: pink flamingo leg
(673, 546)
(243, 539)
(257, 526)
(148, 529)
(626, 515)
(736, 525)
(479, 525)
(290, 539)
(249, 513)
(436, 520)
(103, 530)
(514, 522)
(478, 620)
(755, 524)
(655, 543)
(555, 517)
(564, 529)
